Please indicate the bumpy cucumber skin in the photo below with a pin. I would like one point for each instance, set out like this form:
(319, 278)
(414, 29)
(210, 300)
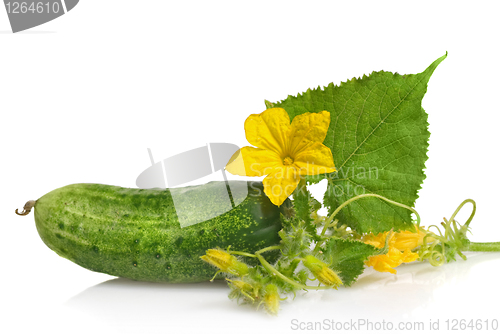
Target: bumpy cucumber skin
(135, 233)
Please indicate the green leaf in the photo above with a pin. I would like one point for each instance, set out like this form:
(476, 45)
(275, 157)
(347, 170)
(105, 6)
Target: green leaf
(305, 204)
(302, 203)
(347, 257)
(378, 136)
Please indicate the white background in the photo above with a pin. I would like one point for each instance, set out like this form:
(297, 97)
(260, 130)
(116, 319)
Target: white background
(83, 97)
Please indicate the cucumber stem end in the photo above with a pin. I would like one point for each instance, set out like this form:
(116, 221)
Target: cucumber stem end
(27, 208)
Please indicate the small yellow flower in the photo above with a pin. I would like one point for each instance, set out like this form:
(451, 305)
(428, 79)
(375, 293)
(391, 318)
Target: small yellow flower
(271, 299)
(225, 262)
(400, 246)
(283, 151)
(321, 271)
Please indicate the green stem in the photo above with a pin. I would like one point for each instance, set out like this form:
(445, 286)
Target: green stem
(272, 270)
(257, 253)
(349, 201)
(242, 253)
(483, 247)
(291, 268)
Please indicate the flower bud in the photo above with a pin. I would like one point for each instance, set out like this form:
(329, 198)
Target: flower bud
(240, 285)
(321, 271)
(225, 262)
(271, 299)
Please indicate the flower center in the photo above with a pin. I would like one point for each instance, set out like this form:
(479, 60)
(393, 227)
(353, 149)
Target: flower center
(287, 161)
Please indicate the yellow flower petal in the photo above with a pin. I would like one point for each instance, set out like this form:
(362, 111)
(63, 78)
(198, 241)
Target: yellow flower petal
(380, 266)
(251, 161)
(315, 159)
(406, 240)
(281, 183)
(409, 256)
(284, 151)
(308, 128)
(269, 130)
(400, 246)
(386, 262)
(393, 258)
(377, 240)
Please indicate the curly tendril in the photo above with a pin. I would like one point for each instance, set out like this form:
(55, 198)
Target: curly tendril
(453, 237)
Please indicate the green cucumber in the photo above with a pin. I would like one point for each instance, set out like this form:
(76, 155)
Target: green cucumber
(135, 233)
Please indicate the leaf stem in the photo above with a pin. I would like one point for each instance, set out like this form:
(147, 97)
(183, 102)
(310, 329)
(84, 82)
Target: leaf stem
(257, 253)
(242, 253)
(483, 247)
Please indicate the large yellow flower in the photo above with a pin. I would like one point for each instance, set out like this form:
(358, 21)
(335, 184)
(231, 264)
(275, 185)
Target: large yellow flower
(283, 151)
